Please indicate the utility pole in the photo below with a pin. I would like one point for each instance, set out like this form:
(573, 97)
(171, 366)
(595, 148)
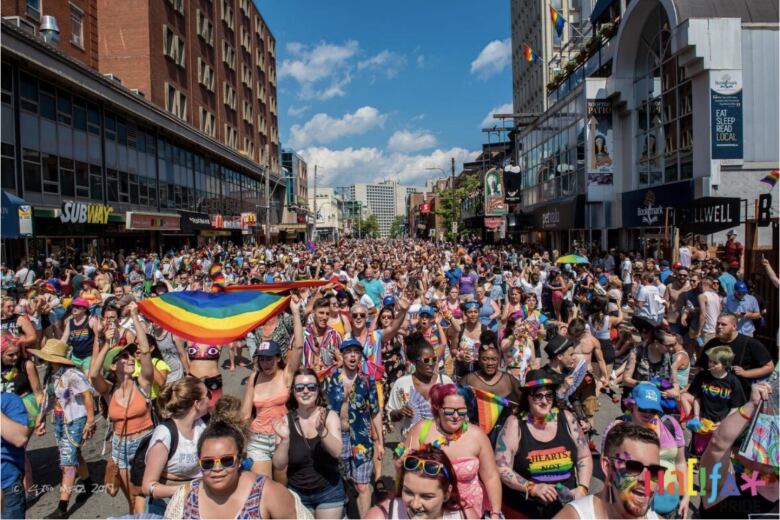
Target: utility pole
(314, 232)
(267, 196)
(455, 210)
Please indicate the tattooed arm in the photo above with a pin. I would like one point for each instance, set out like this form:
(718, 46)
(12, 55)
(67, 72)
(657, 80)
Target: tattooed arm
(584, 458)
(506, 447)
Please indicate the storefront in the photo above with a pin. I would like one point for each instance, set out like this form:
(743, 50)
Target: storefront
(708, 215)
(559, 225)
(154, 224)
(192, 225)
(648, 214)
(229, 227)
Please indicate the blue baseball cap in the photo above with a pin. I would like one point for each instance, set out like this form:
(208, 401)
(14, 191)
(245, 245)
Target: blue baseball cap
(741, 287)
(647, 396)
(351, 343)
(388, 300)
(268, 349)
(427, 310)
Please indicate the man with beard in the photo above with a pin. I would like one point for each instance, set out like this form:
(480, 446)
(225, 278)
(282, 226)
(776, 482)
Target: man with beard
(320, 342)
(675, 300)
(631, 457)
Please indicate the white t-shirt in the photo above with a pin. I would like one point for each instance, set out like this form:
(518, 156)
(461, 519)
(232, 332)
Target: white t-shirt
(625, 271)
(69, 385)
(184, 462)
(685, 256)
(652, 307)
(402, 391)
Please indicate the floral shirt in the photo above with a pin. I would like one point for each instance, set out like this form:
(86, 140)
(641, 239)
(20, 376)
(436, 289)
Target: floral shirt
(363, 406)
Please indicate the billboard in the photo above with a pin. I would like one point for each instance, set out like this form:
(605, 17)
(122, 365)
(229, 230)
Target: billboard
(599, 142)
(495, 202)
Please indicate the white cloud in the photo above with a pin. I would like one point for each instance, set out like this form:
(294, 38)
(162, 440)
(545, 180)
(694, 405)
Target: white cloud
(350, 165)
(388, 62)
(322, 71)
(421, 61)
(496, 56)
(506, 108)
(322, 128)
(406, 141)
(297, 111)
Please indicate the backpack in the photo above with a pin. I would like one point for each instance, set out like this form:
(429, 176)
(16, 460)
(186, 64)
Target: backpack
(138, 465)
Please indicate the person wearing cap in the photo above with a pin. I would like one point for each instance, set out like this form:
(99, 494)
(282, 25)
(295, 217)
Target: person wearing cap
(733, 251)
(542, 455)
(744, 306)
(79, 333)
(644, 409)
(267, 391)
(74, 419)
(352, 394)
(429, 324)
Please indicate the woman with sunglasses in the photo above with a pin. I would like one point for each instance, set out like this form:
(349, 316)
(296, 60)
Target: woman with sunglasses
(467, 335)
(517, 347)
(645, 409)
(425, 489)
(227, 489)
(393, 358)
(466, 446)
(310, 447)
(542, 455)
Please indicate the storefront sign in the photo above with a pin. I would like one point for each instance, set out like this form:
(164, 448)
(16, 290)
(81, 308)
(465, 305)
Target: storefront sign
(708, 215)
(599, 160)
(225, 221)
(137, 220)
(726, 114)
(645, 208)
(248, 219)
(425, 208)
(495, 203)
(82, 213)
(566, 214)
(25, 221)
(193, 222)
(494, 222)
(512, 183)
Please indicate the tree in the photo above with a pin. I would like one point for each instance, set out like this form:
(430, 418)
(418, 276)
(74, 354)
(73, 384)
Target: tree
(397, 227)
(450, 209)
(368, 227)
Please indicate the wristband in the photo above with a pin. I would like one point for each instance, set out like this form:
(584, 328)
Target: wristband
(586, 488)
(529, 487)
(744, 415)
(152, 486)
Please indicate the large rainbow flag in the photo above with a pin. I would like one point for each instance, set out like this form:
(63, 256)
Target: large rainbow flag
(277, 287)
(489, 408)
(212, 318)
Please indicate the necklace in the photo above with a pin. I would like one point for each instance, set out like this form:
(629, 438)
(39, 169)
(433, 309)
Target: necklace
(542, 421)
(498, 376)
(446, 439)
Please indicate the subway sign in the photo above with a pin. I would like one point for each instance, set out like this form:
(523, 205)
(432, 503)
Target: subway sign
(83, 213)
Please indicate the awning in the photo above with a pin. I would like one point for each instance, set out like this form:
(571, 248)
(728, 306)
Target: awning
(602, 6)
(14, 212)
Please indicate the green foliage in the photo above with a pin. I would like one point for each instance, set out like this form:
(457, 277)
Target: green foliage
(469, 184)
(366, 228)
(397, 227)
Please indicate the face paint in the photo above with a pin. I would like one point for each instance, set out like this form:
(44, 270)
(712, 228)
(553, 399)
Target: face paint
(630, 492)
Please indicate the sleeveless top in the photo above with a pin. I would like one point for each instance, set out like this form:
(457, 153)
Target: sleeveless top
(10, 326)
(310, 467)
(268, 411)
(601, 332)
(398, 511)
(684, 374)
(251, 507)
(80, 339)
(14, 379)
(197, 352)
(485, 311)
(645, 370)
(139, 416)
(585, 509)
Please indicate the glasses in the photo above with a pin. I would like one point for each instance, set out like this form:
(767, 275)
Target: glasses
(635, 468)
(299, 387)
(428, 361)
(449, 412)
(211, 463)
(547, 396)
(358, 315)
(648, 411)
(429, 467)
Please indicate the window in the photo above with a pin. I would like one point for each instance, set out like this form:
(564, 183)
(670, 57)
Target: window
(95, 183)
(76, 26)
(6, 83)
(246, 39)
(178, 5)
(246, 75)
(205, 28)
(231, 136)
(260, 91)
(175, 102)
(112, 185)
(259, 27)
(173, 46)
(227, 15)
(51, 177)
(249, 147)
(34, 9)
(244, 6)
(247, 112)
(229, 95)
(64, 108)
(208, 122)
(228, 55)
(93, 119)
(82, 180)
(67, 177)
(48, 102)
(8, 164)
(79, 114)
(28, 89)
(205, 75)
(32, 170)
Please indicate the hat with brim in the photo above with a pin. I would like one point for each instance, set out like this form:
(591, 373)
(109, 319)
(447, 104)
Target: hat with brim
(80, 302)
(53, 351)
(114, 353)
(426, 310)
(537, 379)
(648, 397)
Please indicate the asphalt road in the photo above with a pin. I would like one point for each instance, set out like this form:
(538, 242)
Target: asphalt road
(44, 458)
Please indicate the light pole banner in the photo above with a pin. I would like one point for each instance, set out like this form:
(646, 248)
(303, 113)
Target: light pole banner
(726, 114)
(495, 203)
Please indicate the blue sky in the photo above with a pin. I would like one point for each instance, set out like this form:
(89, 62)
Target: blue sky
(372, 90)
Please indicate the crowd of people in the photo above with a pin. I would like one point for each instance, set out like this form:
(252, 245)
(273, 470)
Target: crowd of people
(481, 371)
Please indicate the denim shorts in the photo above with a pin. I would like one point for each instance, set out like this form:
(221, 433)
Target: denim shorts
(329, 497)
(123, 448)
(261, 446)
(69, 439)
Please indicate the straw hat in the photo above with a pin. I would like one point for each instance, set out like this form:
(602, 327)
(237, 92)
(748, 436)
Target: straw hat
(53, 351)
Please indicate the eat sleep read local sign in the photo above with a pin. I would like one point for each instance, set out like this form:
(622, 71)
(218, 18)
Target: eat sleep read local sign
(708, 214)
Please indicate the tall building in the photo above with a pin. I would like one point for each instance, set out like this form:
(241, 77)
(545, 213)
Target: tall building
(386, 200)
(532, 26)
(296, 211)
(329, 218)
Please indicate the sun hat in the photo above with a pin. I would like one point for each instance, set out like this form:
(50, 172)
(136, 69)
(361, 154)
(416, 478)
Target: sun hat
(53, 351)
(538, 378)
(114, 353)
(80, 302)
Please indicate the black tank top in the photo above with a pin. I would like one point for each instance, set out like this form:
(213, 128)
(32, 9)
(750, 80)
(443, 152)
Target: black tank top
(543, 463)
(80, 338)
(10, 325)
(310, 467)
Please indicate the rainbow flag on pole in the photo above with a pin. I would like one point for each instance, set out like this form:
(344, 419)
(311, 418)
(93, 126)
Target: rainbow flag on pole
(557, 20)
(530, 55)
(772, 178)
(489, 408)
(212, 318)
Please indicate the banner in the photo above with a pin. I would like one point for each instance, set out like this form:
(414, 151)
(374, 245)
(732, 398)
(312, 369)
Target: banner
(726, 114)
(425, 208)
(137, 220)
(248, 219)
(512, 183)
(599, 137)
(494, 222)
(495, 203)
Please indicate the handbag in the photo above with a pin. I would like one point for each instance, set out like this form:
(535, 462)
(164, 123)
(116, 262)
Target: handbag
(111, 478)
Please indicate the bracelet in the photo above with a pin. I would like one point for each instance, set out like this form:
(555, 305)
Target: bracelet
(529, 487)
(152, 487)
(744, 415)
(586, 488)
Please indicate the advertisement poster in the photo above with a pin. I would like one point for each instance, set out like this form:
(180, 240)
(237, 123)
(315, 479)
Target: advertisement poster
(726, 114)
(25, 221)
(512, 183)
(599, 142)
(495, 202)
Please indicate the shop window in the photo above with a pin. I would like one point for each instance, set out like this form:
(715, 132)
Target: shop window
(95, 183)
(112, 185)
(64, 108)
(51, 178)
(93, 119)
(48, 102)
(79, 114)
(82, 180)
(67, 178)
(28, 92)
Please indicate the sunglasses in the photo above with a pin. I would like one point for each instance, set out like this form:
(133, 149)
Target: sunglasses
(429, 467)
(358, 315)
(539, 396)
(635, 468)
(299, 387)
(449, 412)
(428, 361)
(648, 411)
(211, 463)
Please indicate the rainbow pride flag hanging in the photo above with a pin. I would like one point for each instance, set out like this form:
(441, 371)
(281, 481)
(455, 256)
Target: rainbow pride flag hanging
(212, 318)
(530, 56)
(489, 408)
(557, 20)
(772, 178)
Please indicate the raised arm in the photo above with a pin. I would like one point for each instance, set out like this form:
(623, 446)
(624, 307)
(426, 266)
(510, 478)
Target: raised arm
(390, 332)
(295, 355)
(147, 369)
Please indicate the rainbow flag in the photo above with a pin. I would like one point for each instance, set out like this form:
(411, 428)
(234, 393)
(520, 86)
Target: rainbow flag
(277, 287)
(772, 178)
(212, 318)
(557, 21)
(489, 408)
(530, 55)
(311, 247)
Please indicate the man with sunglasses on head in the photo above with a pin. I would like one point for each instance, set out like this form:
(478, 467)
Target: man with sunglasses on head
(631, 457)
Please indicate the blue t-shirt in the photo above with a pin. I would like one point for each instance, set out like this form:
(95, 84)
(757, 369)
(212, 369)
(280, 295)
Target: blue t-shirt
(11, 457)
(748, 303)
(375, 290)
